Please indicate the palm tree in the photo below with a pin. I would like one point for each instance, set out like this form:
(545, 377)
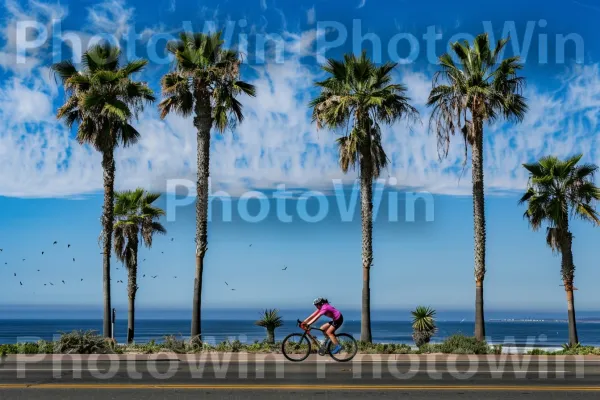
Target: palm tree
(135, 217)
(482, 89)
(270, 320)
(205, 82)
(556, 189)
(423, 325)
(102, 99)
(360, 95)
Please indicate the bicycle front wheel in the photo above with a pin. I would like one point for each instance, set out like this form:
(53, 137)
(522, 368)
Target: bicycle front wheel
(349, 348)
(296, 347)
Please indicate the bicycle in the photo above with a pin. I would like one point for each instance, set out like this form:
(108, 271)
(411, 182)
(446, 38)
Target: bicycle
(300, 350)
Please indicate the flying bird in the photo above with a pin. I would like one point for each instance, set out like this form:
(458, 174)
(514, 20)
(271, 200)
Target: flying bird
(44, 284)
(144, 259)
(23, 259)
(250, 245)
(51, 284)
(232, 289)
(143, 276)
(73, 259)
(63, 282)
(154, 276)
(68, 245)
(172, 239)
(175, 277)
(81, 279)
(1, 249)
(162, 252)
(21, 283)
(227, 283)
(38, 270)
(15, 273)
(42, 252)
(284, 268)
(55, 242)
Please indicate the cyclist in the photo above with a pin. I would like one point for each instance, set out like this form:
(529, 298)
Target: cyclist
(337, 319)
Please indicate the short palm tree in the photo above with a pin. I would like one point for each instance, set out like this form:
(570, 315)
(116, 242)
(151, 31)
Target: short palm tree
(360, 96)
(270, 320)
(556, 189)
(464, 97)
(102, 100)
(423, 325)
(135, 218)
(206, 83)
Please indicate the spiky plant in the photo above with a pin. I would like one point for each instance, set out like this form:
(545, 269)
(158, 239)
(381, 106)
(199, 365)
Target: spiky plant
(423, 325)
(270, 320)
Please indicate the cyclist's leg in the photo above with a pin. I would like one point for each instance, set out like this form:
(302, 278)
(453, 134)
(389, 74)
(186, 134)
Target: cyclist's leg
(331, 333)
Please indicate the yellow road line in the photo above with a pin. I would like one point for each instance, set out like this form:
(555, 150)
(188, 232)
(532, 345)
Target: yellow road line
(303, 387)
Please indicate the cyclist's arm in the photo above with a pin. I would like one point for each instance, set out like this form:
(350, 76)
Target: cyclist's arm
(311, 316)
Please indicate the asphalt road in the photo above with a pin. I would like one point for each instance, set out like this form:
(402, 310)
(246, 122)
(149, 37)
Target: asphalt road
(309, 380)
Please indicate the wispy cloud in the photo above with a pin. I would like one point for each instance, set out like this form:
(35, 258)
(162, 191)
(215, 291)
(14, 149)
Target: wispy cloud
(362, 3)
(311, 16)
(30, 10)
(586, 5)
(111, 17)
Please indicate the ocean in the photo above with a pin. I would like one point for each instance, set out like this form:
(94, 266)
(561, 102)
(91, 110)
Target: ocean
(538, 334)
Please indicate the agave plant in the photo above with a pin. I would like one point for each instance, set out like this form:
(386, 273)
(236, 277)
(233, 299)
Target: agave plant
(423, 325)
(270, 320)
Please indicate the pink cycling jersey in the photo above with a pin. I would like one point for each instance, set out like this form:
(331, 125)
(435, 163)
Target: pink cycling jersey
(330, 311)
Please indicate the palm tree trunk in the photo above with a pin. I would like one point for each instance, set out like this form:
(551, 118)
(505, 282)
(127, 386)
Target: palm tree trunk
(366, 199)
(270, 335)
(132, 290)
(479, 227)
(203, 123)
(108, 164)
(568, 272)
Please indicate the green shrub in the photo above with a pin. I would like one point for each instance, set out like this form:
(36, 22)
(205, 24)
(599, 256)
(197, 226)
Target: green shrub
(538, 352)
(8, 349)
(27, 348)
(82, 342)
(175, 345)
(460, 344)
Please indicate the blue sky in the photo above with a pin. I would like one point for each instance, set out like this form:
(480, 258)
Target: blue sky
(50, 185)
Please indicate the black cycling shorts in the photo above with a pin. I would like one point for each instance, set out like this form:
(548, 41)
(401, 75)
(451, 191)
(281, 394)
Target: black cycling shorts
(338, 322)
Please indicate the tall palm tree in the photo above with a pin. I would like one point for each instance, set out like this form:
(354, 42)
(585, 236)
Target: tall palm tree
(102, 99)
(135, 217)
(464, 97)
(360, 95)
(556, 189)
(206, 83)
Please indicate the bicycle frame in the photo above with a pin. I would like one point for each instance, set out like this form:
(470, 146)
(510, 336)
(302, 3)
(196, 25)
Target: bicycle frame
(313, 339)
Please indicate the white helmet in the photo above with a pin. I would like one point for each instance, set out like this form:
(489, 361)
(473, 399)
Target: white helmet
(319, 300)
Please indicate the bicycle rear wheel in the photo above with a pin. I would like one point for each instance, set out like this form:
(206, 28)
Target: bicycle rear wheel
(349, 348)
(296, 347)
